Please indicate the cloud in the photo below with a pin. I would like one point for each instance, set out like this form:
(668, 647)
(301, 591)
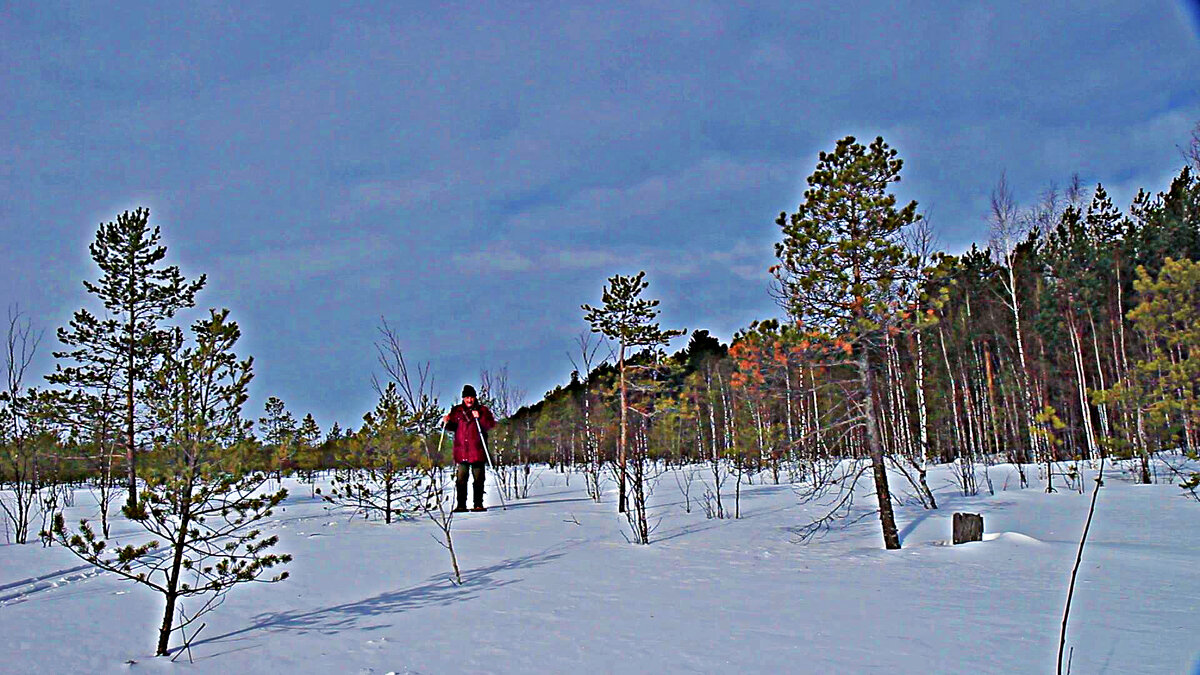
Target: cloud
(281, 268)
(502, 258)
(393, 193)
(581, 258)
(495, 258)
(745, 260)
(602, 208)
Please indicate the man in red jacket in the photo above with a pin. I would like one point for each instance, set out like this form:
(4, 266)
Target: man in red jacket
(470, 423)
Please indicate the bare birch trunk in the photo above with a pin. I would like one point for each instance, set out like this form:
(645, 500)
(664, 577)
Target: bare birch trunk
(621, 505)
(1081, 383)
(1101, 408)
(923, 424)
(958, 432)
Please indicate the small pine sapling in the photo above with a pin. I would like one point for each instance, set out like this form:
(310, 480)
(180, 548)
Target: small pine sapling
(203, 512)
(423, 419)
(1192, 482)
(380, 461)
(308, 453)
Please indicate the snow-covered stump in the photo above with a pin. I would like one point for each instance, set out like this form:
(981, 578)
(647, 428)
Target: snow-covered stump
(968, 527)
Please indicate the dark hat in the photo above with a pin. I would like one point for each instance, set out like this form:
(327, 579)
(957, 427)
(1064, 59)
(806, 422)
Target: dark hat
(468, 390)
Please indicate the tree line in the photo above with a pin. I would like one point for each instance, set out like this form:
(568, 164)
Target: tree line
(1073, 334)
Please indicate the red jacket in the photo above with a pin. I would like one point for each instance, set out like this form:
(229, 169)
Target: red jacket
(468, 446)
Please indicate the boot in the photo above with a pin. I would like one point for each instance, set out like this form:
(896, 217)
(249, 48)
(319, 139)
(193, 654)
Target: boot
(460, 495)
(477, 492)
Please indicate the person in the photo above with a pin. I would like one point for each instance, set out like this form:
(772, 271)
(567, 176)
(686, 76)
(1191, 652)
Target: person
(470, 423)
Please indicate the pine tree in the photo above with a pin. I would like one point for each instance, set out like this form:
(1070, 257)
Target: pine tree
(1070, 255)
(381, 459)
(1168, 225)
(629, 320)
(308, 451)
(140, 294)
(279, 435)
(198, 505)
(841, 261)
(1164, 385)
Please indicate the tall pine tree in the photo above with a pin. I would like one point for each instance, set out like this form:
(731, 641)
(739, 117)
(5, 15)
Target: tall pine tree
(840, 263)
(140, 294)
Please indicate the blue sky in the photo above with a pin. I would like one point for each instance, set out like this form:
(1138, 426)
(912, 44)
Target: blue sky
(474, 171)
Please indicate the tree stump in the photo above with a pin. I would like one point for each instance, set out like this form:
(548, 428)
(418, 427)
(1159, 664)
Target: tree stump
(968, 527)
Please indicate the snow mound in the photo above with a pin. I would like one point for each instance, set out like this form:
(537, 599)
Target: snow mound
(1014, 538)
(1009, 537)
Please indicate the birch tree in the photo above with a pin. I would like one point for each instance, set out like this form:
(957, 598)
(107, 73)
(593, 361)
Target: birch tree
(19, 452)
(1008, 230)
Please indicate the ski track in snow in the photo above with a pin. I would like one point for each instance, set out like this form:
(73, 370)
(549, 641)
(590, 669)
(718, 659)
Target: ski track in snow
(20, 591)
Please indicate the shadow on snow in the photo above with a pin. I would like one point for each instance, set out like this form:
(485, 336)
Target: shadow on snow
(434, 591)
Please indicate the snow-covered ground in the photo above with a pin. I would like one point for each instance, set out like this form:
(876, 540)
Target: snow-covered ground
(552, 586)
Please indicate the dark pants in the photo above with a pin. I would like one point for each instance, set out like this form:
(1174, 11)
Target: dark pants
(460, 483)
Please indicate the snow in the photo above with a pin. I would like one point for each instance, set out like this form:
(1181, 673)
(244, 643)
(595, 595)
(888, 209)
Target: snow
(551, 586)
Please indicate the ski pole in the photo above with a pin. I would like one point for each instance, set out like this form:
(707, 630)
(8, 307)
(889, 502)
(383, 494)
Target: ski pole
(434, 461)
(488, 456)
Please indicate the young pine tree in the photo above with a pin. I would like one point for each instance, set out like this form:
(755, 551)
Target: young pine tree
(309, 451)
(629, 320)
(279, 439)
(1164, 384)
(380, 459)
(199, 508)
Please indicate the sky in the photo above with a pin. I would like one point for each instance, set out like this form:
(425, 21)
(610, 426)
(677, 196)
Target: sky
(473, 172)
